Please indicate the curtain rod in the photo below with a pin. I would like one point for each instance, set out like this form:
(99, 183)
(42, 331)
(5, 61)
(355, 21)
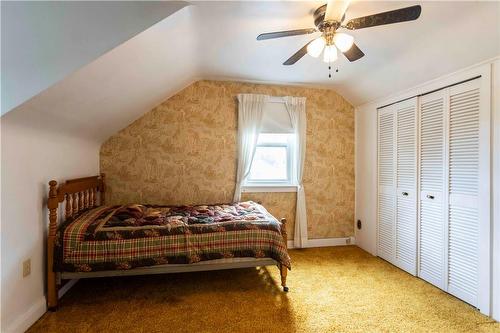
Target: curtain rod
(429, 92)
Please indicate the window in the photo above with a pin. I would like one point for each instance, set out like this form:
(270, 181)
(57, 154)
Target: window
(272, 162)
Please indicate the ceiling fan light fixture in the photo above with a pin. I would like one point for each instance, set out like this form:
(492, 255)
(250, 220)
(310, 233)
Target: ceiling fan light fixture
(328, 19)
(330, 54)
(316, 46)
(343, 41)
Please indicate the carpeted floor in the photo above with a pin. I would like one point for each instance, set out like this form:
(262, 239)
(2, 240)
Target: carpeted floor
(338, 289)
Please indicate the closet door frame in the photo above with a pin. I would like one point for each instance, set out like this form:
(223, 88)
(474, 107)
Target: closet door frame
(485, 185)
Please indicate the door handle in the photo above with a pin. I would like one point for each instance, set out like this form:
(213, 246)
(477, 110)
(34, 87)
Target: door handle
(430, 196)
(405, 194)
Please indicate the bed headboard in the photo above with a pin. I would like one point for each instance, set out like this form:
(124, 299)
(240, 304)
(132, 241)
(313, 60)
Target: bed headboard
(77, 194)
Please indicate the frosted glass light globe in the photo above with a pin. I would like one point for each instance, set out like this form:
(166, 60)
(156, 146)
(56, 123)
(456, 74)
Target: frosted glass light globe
(330, 54)
(315, 47)
(343, 41)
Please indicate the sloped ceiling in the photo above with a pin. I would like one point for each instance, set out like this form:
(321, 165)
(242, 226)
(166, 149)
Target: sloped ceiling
(109, 93)
(44, 41)
(216, 40)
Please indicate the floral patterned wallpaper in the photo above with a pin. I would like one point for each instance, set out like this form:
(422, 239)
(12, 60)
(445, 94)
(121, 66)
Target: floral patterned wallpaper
(184, 152)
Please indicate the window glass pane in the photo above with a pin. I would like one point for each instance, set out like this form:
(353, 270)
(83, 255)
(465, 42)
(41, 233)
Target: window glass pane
(273, 138)
(269, 163)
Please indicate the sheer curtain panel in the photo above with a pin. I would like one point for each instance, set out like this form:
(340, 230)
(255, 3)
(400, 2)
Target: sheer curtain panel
(296, 107)
(250, 110)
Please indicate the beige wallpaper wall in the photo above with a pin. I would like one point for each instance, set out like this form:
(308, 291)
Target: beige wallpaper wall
(184, 151)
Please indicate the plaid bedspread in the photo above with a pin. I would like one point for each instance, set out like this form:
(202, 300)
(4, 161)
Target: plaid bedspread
(129, 236)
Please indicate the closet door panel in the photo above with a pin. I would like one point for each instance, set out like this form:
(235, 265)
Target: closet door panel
(464, 163)
(406, 180)
(432, 222)
(434, 189)
(386, 184)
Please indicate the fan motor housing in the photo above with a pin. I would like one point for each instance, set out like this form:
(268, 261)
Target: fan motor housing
(321, 24)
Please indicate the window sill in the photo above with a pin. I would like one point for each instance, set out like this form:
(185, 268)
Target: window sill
(268, 188)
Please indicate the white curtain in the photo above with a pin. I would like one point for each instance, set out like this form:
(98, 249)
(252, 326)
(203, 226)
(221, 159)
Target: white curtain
(250, 110)
(296, 107)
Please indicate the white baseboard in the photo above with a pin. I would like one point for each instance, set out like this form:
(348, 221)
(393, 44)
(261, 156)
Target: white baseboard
(323, 242)
(23, 322)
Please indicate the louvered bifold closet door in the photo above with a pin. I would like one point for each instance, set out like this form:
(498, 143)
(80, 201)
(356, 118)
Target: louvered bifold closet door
(386, 184)
(406, 182)
(432, 222)
(465, 165)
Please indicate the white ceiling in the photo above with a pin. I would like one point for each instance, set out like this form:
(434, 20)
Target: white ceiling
(217, 40)
(447, 36)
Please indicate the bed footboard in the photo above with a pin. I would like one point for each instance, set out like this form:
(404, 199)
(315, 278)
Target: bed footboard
(78, 195)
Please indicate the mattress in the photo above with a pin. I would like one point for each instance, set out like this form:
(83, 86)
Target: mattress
(124, 237)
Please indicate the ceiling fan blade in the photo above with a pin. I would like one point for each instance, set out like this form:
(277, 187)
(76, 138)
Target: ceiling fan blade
(279, 34)
(335, 10)
(393, 16)
(296, 56)
(354, 53)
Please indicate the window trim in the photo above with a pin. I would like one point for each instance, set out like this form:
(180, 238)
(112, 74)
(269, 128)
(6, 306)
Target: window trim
(268, 188)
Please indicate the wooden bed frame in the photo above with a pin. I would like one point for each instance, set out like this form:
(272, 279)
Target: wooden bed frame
(84, 193)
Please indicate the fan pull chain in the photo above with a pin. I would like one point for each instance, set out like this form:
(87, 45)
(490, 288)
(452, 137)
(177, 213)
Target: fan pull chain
(330, 70)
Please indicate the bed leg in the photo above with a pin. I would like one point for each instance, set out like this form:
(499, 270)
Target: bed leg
(283, 268)
(283, 272)
(53, 204)
(52, 298)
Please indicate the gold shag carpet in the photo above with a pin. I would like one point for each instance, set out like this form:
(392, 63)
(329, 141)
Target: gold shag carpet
(336, 289)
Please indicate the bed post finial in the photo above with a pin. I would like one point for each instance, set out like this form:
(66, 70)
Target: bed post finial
(283, 268)
(52, 204)
(103, 188)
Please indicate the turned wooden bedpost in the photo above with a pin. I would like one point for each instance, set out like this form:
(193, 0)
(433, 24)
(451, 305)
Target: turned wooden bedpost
(103, 188)
(53, 204)
(283, 268)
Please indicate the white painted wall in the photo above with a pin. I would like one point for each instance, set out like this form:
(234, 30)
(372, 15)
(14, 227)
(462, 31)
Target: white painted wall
(366, 176)
(31, 156)
(44, 41)
(366, 162)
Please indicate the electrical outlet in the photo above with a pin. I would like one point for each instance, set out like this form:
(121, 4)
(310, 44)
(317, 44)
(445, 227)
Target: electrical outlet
(348, 241)
(26, 267)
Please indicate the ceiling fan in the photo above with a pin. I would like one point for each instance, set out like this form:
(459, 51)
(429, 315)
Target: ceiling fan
(328, 19)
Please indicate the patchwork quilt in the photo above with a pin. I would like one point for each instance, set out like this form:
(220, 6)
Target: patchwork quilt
(129, 236)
